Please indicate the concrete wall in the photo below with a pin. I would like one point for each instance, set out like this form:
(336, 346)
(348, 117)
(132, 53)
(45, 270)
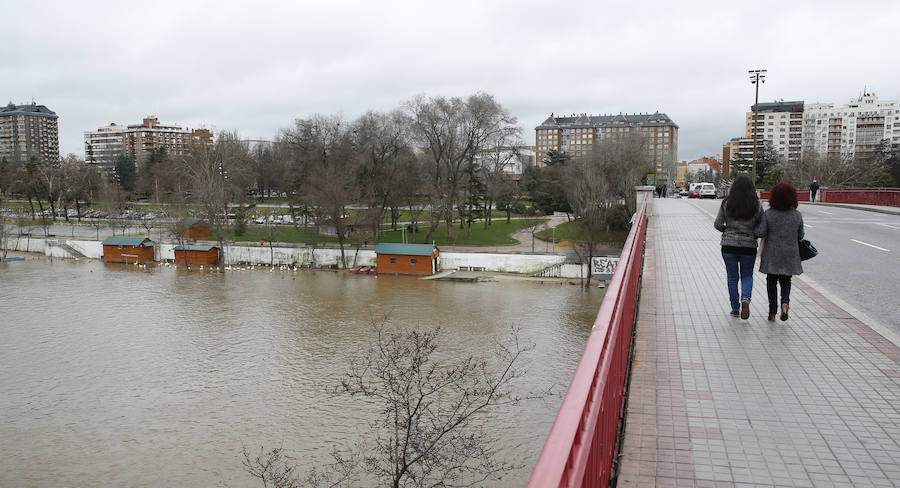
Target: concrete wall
(506, 263)
(320, 258)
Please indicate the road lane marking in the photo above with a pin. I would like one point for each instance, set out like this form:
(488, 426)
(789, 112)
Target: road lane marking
(824, 212)
(870, 245)
(888, 225)
(811, 227)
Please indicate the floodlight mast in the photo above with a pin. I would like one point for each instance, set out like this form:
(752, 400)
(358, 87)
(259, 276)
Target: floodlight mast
(757, 76)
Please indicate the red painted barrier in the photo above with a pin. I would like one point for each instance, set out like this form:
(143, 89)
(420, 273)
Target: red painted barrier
(583, 441)
(888, 197)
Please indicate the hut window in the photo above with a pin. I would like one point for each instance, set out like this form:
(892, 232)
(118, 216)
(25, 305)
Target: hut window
(121, 247)
(393, 260)
(413, 261)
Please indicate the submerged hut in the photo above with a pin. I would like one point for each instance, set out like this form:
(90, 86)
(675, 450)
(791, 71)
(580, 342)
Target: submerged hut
(193, 228)
(411, 259)
(121, 249)
(195, 254)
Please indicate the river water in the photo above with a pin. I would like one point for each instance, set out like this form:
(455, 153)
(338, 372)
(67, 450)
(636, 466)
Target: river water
(127, 376)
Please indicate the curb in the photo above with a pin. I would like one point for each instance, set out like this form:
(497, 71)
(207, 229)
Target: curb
(884, 210)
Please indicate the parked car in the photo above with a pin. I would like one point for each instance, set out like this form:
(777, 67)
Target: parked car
(682, 193)
(707, 190)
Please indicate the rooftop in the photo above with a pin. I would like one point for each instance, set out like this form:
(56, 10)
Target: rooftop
(585, 120)
(30, 109)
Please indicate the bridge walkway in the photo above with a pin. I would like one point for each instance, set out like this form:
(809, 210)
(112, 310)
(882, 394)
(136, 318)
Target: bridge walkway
(716, 401)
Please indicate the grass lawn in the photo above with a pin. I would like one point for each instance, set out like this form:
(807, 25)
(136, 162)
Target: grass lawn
(498, 234)
(572, 231)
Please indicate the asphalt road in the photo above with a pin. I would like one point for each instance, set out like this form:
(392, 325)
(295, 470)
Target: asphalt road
(858, 261)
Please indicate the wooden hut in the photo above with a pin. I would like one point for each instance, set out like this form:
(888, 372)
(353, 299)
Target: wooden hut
(121, 249)
(195, 255)
(193, 228)
(411, 259)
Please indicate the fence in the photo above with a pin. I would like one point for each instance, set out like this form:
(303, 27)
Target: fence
(583, 441)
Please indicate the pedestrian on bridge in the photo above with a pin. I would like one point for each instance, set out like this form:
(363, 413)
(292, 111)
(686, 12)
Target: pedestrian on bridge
(782, 228)
(813, 189)
(739, 215)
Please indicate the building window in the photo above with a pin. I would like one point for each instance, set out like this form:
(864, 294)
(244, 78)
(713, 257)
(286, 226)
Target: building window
(393, 260)
(413, 261)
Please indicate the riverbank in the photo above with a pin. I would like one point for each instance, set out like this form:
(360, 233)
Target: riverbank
(544, 265)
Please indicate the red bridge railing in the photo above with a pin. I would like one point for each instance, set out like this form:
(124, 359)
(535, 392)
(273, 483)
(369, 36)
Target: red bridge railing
(866, 196)
(889, 197)
(583, 441)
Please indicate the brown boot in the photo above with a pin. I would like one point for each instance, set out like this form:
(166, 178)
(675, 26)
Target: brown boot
(784, 312)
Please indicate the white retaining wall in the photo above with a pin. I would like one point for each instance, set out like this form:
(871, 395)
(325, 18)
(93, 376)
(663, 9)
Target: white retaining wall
(322, 258)
(506, 263)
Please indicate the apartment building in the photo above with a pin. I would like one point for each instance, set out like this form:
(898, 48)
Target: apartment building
(735, 151)
(857, 128)
(576, 135)
(779, 123)
(29, 130)
(103, 145)
(509, 161)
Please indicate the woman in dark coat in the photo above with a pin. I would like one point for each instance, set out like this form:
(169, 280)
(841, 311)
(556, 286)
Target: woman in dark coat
(782, 228)
(737, 219)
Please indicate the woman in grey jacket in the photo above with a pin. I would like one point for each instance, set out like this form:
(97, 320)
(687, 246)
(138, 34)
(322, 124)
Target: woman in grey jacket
(739, 214)
(782, 227)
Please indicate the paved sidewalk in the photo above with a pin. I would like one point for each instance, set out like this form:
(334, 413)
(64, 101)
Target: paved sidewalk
(716, 401)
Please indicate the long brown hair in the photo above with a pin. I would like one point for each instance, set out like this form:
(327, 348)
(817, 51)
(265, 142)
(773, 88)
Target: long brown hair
(741, 202)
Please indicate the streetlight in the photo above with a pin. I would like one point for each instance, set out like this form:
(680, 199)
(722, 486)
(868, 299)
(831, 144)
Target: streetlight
(757, 76)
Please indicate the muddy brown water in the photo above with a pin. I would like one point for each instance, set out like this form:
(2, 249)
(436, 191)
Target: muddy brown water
(126, 376)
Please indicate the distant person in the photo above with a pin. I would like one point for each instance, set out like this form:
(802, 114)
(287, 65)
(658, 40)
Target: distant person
(658, 191)
(665, 189)
(739, 214)
(782, 228)
(813, 189)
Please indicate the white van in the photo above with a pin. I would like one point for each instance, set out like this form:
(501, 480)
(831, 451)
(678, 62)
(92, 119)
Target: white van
(707, 190)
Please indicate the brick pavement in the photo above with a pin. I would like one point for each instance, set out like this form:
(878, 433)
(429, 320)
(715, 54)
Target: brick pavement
(716, 401)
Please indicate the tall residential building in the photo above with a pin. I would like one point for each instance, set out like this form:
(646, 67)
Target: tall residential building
(857, 128)
(29, 130)
(103, 145)
(576, 135)
(737, 150)
(780, 123)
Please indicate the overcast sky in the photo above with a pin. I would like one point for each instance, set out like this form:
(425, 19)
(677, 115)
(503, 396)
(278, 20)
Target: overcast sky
(256, 66)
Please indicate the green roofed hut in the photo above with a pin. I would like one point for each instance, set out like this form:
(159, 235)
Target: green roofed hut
(121, 249)
(410, 259)
(196, 254)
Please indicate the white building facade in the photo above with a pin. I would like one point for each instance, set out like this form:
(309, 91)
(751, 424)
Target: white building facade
(103, 145)
(857, 128)
(779, 123)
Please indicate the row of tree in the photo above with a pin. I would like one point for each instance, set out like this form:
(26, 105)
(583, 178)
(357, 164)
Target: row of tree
(865, 170)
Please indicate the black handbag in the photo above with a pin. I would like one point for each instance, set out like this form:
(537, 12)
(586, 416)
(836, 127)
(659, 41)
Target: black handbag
(807, 250)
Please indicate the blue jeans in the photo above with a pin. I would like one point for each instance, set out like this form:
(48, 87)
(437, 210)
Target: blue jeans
(739, 268)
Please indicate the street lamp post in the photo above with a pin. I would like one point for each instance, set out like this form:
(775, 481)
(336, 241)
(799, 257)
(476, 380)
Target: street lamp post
(757, 76)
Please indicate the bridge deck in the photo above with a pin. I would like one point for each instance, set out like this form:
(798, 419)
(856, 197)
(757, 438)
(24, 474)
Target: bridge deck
(719, 401)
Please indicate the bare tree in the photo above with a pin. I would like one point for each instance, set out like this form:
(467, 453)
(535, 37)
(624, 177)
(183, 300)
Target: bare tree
(217, 177)
(836, 172)
(430, 431)
(325, 148)
(382, 141)
(453, 132)
(3, 227)
(600, 188)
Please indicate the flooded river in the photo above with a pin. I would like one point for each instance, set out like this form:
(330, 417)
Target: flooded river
(114, 376)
